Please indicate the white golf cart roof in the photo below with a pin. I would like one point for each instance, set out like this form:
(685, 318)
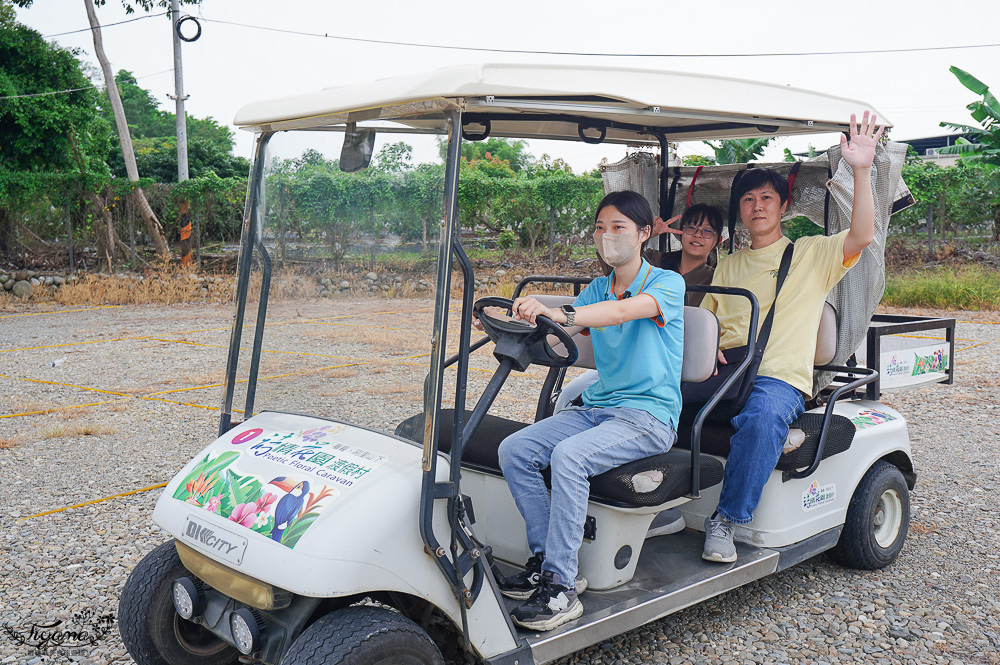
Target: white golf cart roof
(551, 101)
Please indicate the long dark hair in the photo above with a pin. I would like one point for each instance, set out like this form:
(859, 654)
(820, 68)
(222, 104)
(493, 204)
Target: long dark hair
(633, 206)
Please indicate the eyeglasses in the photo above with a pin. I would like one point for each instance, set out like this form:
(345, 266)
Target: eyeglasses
(703, 231)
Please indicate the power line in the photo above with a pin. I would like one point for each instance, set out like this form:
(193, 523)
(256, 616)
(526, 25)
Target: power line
(64, 92)
(45, 94)
(106, 25)
(603, 55)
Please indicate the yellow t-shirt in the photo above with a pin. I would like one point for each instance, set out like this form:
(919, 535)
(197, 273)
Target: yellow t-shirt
(817, 265)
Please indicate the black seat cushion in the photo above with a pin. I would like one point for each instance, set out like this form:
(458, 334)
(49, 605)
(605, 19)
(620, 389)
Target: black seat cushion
(613, 487)
(715, 439)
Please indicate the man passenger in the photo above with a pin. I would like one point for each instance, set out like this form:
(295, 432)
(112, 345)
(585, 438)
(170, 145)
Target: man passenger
(786, 370)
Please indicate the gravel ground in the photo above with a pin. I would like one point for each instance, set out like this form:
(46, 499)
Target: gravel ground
(134, 394)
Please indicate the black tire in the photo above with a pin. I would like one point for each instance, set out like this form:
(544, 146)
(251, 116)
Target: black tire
(151, 629)
(363, 635)
(878, 519)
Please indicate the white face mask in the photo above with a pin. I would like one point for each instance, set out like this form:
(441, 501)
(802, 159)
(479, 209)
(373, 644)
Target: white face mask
(618, 248)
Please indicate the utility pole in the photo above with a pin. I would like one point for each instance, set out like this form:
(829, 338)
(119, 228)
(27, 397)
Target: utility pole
(182, 151)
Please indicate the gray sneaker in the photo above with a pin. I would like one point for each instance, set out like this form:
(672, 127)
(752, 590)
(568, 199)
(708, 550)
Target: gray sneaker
(718, 541)
(666, 522)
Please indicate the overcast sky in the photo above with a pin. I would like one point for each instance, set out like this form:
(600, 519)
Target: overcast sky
(231, 65)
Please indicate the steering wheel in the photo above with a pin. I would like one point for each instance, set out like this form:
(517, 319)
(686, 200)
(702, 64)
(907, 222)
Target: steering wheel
(522, 342)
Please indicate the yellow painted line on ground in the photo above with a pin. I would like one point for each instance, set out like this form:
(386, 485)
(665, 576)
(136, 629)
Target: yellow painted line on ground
(244, 349)
(359, 325)
(290, 322)
(303, 353)
(261, 378)
(179, 341)
(181, 390)
(192, 404)
(957, 339)
(988, 323)
(348, 316)
(61, 408)
(88, 503)
(110, 392)
(54, 346)
(66, 385)
(60, 311)
(973, 346)
(309, 371)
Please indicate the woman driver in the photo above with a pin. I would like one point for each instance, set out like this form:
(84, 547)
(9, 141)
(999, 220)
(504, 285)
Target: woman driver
(636, 328)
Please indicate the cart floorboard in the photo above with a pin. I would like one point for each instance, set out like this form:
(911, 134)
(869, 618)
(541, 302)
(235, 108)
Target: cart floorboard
(670, 576)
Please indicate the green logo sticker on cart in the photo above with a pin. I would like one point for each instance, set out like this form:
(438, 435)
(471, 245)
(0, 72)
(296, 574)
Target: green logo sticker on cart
(870, 418)
(818, 495)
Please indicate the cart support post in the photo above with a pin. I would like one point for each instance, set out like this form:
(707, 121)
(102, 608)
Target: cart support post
(249, 238)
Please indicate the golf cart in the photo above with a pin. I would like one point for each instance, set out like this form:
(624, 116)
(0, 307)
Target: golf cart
(322, 539)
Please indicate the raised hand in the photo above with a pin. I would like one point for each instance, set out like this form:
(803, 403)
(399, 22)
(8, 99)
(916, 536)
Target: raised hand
(660, 226)
(859, 151)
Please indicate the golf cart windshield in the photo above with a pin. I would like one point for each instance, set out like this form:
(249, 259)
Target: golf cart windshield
(345, 267)
(392, 241)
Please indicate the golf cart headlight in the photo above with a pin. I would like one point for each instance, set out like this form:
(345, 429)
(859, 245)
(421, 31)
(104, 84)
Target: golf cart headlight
(246, 631)
(188, 599)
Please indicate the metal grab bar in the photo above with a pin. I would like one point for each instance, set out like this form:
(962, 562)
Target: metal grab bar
(869, 376)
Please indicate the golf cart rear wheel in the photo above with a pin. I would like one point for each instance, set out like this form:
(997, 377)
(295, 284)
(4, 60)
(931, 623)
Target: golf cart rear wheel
(151, 629)
(878, 518)
(363, 635)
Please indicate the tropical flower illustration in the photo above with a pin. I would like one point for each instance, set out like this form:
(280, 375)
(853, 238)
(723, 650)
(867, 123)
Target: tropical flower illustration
(244, 515)
(201, 485)
(264, 503)
(314, 500)
(216, 485)
(315, 434)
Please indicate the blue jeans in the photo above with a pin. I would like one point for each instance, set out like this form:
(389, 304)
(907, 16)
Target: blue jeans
(577, 443)
(761, 428)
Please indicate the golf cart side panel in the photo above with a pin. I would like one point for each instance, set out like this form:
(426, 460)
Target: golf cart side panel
(818, 503)
(345, 539)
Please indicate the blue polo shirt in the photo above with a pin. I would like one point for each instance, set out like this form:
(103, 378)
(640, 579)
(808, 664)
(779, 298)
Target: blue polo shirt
(639, 362)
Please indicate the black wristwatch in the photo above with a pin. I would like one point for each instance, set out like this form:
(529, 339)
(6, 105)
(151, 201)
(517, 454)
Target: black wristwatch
(570, 313)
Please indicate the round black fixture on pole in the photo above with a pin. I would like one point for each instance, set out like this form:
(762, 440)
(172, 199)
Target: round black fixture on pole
(181, 35)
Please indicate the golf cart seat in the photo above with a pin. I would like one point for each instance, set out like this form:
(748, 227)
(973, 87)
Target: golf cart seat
(664, 478)
(616, 487)
(803, 433)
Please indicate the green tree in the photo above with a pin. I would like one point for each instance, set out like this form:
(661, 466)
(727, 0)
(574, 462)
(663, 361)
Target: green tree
(154, 137)
(420, 197)
(485, 188)
(121, 123)
(984, 148)
(514, 152)
(394, 157)
(49, 143)
(738, 151)
(697, 160)
(569, 202)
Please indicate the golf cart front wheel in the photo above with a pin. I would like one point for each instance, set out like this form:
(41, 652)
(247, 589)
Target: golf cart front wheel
(878, 519)
(363, 635)
(151, 629)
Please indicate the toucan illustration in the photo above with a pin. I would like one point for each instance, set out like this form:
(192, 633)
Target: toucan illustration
(289, 505)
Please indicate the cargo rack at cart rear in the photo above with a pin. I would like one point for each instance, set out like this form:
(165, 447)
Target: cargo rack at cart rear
(904, 360)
